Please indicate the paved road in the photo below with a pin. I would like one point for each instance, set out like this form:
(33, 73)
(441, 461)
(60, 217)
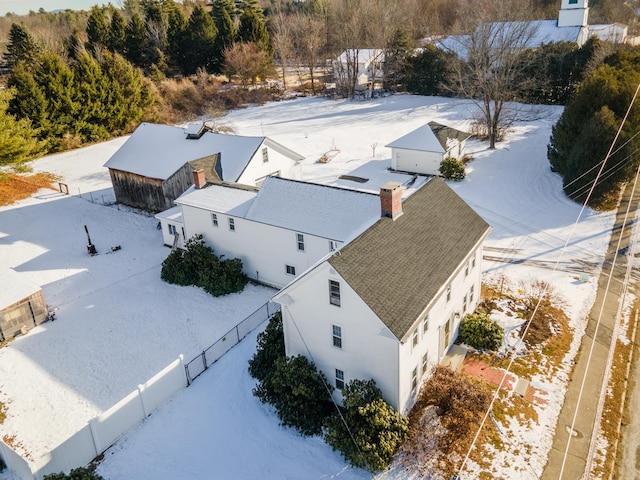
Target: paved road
(578, 447)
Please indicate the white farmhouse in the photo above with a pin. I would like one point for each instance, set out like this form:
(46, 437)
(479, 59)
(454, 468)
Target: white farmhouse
(278, 230)
(156, 163)
(364, 65)
(423, 149)
(387, 306)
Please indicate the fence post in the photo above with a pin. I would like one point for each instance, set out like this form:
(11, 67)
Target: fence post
(186, 373)
(95, 436)
(140, 393)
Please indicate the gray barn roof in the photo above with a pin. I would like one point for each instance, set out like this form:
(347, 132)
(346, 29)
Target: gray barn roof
(398, 266)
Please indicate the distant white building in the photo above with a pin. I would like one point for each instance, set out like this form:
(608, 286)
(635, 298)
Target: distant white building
(571, 26)
(278, 231)
(364, 65)
(422, 150)
(155, 165)
(387, 306)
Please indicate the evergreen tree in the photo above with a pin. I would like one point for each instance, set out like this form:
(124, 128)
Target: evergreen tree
(118, 33)
(98, 30)
(74, 45)
(136, 41)
(130, 93)
(177, 24)
(18, 139)
(92, 94)
(28, 100)
(253, 26)
(426, 71)
(56, 80)
(583, 135)
(200, 40)
(21, 47)
(396, 60)
(223, 13)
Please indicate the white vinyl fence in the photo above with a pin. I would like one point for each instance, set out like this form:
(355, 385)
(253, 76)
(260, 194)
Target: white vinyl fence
(102, 431)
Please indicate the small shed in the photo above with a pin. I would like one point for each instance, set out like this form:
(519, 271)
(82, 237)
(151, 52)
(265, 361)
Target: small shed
(423, 149)
(22, 306)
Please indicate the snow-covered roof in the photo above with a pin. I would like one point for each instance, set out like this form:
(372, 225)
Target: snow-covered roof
(158, 151)
(222, 198)
(174, 214)
(14, 288)
(321, 210)
(422, 139)
(540, 31)
(365, 55)
(614, 32)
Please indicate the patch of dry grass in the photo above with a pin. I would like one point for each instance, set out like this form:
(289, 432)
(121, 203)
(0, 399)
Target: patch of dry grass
(15, 187)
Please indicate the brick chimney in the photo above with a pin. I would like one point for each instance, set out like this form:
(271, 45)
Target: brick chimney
(198, 178)
(391, 200)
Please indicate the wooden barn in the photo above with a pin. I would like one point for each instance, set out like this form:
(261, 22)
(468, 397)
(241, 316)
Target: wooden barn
(22, 306)
(156, 164)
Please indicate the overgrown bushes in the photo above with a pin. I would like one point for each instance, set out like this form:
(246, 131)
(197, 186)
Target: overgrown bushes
(479, 331)
(199, 266)
(449, 408)
(301, 396)
(452, 169)
(375, 430)
(296, 389)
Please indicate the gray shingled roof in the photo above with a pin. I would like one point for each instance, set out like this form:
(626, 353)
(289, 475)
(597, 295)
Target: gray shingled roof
(397, 267)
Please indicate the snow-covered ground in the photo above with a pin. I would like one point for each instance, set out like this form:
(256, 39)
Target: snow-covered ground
(118, 324)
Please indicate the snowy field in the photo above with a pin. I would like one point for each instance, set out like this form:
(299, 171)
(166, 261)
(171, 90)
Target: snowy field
(118, 324)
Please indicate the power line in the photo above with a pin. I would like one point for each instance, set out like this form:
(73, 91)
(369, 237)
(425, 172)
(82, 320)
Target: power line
(538, 303)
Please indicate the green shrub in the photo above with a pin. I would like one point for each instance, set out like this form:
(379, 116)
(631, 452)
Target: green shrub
(452, 169)
(270, 348)
(479, 331)
(82, 473)
(375, 431)
(299, 393)
(198, 265)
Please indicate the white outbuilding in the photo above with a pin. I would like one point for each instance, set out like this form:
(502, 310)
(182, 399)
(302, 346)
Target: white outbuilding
(422, 150)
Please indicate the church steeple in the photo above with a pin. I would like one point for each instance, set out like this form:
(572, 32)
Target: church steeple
(574, 13)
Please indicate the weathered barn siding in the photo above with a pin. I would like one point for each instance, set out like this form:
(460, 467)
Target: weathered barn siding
(27, 313)
(150, 193)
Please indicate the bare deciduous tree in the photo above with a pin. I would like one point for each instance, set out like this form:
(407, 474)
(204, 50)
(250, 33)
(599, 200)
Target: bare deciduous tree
(490, 69)
(309, 38)
(282, 40)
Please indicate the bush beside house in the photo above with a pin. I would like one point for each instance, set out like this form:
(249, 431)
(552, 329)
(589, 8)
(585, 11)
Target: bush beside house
(479, 331)
(199, 266)
(452, 169)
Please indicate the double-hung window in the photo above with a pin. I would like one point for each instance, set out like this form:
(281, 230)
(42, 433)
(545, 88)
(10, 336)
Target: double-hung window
(414, 339)
(425, 364)
(265, 155)
(232, 224)
(471, 294)
(172, 229)
(337, 336)
(291, 270)
(214, 219)
(448, 293)
(339, 379)
(414, 379)
(334, 293)
(300, 241)
(425, 325)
